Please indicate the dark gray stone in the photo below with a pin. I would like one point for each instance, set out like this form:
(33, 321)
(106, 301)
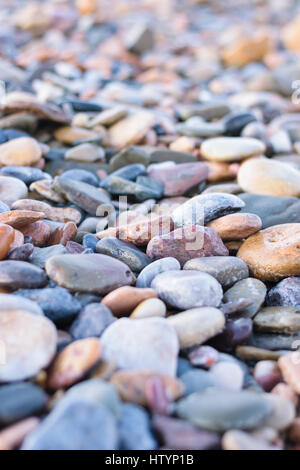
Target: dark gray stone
(123, 251)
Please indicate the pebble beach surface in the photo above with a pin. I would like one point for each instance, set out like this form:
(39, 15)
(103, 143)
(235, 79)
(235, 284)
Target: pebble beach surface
(149, 225)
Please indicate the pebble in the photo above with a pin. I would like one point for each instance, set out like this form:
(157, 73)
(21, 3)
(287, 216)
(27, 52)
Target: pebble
(25, 173)
(19, 401)
(56, 303)
(183, 244)
(91, 321)
(204, 208)
(40, 255)
(239, 440)
(197, 325)
(20, 274)
(131, 385)
(6, 239)
(226, 269)
(267, 374)
(63, 234)
(21, 253)
(11, 189)
(222, 410)
(272, 254)
(159, 266)
(129, 155)
(71, 135)
(270, 178)
(231, 149)
(10, 302)
(135, 429)
(180, 289)
(130, 130)
(20, 218)
(124, 300)
(236, 226)
(203, 356)
(31, 350)
(149, 308)
(74, 361)
(251, 289)
(85, 152)
(285, 293)
(228, 375)
(178, 179)
(79, 174)
(123, 251)
(99, 274)
(283, 412)
(39, 232)
(12, 436)
(237, 331)
(22, 151)
(153, 345)
(278, 320)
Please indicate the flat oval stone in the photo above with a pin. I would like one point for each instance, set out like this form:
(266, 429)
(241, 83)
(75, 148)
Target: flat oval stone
(251, 289)
(74, 362)
(278, 320)
(226, 269)
(180, 289)
(44, 188)
(69, 135)
(286, 292)
(129, 155)
(123, 300)
(24, 173)
(20, 400)
(131, 385)
(20, 274)
(178, 179)
(85, 152)
(183, 244)
(84, 176)
(269, 177)
(20, 218)
(149, 308)
(22, 151)
(273, 210)
(147, 275)
(7, 235)
(123, 251)
(197, 325)
(272, 254)
(204, 208)
(56, 303)
(236, 226)
(224, 149)
(11, 189)
(149, 343)
(31, 350)
(88, 273)
(221, 410)
(92, 321)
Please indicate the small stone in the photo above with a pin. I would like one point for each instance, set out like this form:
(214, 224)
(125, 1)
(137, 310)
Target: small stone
(130, 130)
(31, 350)
(21, 253)
(24, 173)
(183, 244)
(286, 292)
(20, 400)
(131, 385)
(251, 289)
(178, 434)
(22, 151)
(6, 238)
(178, 179)
(224, 149)
(135, 429)
(289, 365)
(89, 273)
(19, 274)
(69, 135)
(203, 356)
(123, 251)
(153, 345)
(139, 38)
(92, 321)
(236, 226)
(44, 189)
(39, 232)
(226, 269)
(237, 331)
(147, 275)
(267, 374)
(246, 49)
(79, 174)
(20, 218)
(56, 303)
(108, 116)
(221, 410)
(122, 301)
(204, 208)
(180, 289)
(11, 189)
(269, 177)
(197, 325)
(272, 254)
(278, 320)
(197, 380)
(149, 308)
(85, 153)
(228, 375)
(12, 436)
(74, 362)
(62, 235)
(250, 353)
(40, 255)
(130, 155)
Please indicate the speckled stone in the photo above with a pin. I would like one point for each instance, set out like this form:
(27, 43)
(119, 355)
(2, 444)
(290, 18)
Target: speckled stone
(286, 292)
(226, 269)
(180, 289)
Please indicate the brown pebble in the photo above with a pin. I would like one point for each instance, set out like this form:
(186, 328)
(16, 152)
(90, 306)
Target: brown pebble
(236, 226)
(20, 218)
(17, 241)
(61, 235)
(123, 301)
(38, 231)
(7, 235)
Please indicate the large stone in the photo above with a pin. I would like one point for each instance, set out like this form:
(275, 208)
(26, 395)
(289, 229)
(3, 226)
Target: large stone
(149, 343)
(147, 275)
